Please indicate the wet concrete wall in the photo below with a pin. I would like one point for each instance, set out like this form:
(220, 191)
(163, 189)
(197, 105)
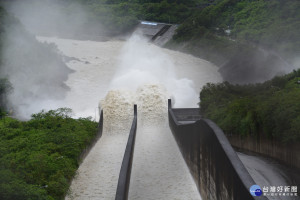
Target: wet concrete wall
(286, 153)
(86, 151)
(214, 165)
(125, 172)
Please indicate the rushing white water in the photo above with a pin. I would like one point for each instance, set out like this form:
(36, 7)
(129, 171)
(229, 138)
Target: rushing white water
(95, 64)
(121, 74)
(97, 177)
(159, 171)
(117, 111)
(152, 105)
(103, 66)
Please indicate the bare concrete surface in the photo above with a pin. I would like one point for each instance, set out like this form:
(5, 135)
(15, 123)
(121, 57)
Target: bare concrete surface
(268, 172)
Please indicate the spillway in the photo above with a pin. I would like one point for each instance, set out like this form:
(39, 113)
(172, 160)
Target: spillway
(159, 171)
(127, 72)
(97, 177)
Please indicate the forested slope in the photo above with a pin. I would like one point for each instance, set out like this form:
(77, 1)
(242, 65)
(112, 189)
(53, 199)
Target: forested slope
(271, 108)
(39, 158)
(270, 24)
(251, 41)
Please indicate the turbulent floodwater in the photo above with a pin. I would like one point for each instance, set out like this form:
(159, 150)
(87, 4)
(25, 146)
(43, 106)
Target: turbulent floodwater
(121, 74)
(103, 66)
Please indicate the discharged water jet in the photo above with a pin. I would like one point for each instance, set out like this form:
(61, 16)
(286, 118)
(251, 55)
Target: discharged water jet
(152, 104)
(143, 63)
(117, 111)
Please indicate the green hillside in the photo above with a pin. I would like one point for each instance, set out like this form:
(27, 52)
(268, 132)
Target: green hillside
(271, 108)
(250, 40)
(270, 24)
(39, 158)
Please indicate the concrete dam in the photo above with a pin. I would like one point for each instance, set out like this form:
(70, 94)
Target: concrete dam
(215, 169)
(155, 150)
(213, 164)
(157, 33)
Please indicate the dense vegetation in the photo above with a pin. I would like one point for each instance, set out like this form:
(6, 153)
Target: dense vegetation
(38, 158)
(250, 40)
(5, 88)
(269, 24)
(271, 108)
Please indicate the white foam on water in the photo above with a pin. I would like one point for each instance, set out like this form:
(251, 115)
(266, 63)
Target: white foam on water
(120, 74)
(158, 170)
(95, 64)
(117, 111)
(97, 177)
(152, 105)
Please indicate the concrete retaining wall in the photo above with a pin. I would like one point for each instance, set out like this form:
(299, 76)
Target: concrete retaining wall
(286, 153)
(86, 151)
(125, 172)
(215, 167)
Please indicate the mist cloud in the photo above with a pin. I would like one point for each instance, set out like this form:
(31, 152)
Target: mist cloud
(36, 71)
(56, 18)
(142, 63)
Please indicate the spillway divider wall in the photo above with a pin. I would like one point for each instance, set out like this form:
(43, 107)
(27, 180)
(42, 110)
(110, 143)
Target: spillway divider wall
(214, 165)
(86, 151)
(125, 172)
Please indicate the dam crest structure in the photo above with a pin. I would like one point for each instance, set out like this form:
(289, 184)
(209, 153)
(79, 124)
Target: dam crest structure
(215, 168)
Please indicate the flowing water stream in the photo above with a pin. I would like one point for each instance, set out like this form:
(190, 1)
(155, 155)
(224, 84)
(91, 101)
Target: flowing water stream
(114, 75)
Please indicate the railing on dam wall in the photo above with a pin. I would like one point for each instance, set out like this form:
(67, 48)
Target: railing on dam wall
(125, 172)
(214, 165)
